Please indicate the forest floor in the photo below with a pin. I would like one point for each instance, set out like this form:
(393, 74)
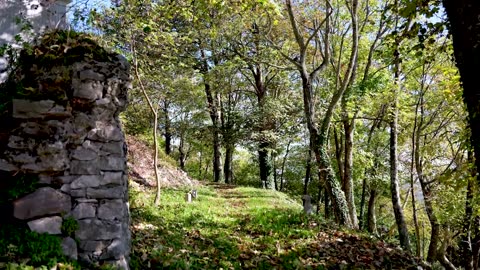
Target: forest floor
(230, 227)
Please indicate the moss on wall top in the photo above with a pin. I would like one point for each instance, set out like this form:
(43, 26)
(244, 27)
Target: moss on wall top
(44, 70)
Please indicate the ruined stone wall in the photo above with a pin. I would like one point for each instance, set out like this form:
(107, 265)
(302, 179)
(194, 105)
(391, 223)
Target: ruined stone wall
(73, 144)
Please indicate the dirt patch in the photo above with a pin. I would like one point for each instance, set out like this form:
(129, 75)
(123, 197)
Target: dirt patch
(140, 167)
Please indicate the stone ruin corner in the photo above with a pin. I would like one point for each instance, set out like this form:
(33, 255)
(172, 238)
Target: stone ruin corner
(68, 136)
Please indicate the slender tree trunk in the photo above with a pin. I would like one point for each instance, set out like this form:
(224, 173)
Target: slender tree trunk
(362, 204)
(349, 127)
(265, 166)
(308, 175)
(325, 171)
(467, 244)
(394, 182)
(212, 105)
(227, 167)
(154, 112)
(155, 159)
(168, 131)
(412, 188)
(435, 226)
(214, 116)
(338, 155)
(284, 161)
(182, 155)
(371, 217)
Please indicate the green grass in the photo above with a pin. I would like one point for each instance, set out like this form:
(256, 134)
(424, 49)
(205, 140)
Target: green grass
(226, 227)
(231, 227)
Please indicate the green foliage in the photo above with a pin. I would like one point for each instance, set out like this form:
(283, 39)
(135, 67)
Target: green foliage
(69, 226)
(17, 185)
(18, 243)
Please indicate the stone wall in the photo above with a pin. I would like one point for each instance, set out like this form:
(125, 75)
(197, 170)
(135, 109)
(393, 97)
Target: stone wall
(41, 14)
(72, 143)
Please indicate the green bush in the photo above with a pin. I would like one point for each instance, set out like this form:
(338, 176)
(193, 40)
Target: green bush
(19, 244)
(69, 226)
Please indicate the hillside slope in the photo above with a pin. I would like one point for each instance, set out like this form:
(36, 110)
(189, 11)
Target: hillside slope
(140, 167)
(231, 227)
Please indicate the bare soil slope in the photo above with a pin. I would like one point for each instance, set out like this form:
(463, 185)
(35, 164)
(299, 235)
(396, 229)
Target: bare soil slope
(140, 166)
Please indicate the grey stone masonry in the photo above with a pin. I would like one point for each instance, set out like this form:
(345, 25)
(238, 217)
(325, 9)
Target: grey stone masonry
(75, 147)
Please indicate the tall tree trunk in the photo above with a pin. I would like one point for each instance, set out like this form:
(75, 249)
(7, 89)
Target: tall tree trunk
(362, 204)
(154, 112)
(371, 217)
(308, 175)
(214, 116)
(182, 153)
(212, 104)
(155, 158)
(319, 148)
(468, 244)
(227, 167)
(394, 183)
(349, 127)
(412, 187)
(168, 131)
(284, 161)
(465, 29)
(265, 166)
(435, 226)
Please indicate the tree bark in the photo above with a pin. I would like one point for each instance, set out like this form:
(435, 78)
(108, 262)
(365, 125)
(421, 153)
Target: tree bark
(227, 167)
(182, 153)
(371, 217)
(265, 166)
(349, 126)
(168, 131)
(362, 204)
(214, 116)
(308, 174)
(394, 183)
(465, 29)
(284, 161)
(212, 105)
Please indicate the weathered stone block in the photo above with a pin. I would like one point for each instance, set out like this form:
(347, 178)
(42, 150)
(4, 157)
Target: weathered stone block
(84, 154)
(69, 248)
(98, 230)
(50, 225)
(113, 148)
(117, 249)
(44, 201)
(84, 167)
(78, 193)
(23, 158)
(16, 142)
(91, 75)
(105, 133)
(112, 178)
(106, 193)
(87, 181)
(84, 210)
(65, 188)
(112, 210)
(97, 246)
(26, 109)
(90, 90)
(7, 167)
(110, 163)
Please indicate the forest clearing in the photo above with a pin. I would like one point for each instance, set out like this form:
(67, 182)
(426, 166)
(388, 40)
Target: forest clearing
(364, 112)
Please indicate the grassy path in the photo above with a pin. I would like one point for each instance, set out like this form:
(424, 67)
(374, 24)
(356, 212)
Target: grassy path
(230, 227)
